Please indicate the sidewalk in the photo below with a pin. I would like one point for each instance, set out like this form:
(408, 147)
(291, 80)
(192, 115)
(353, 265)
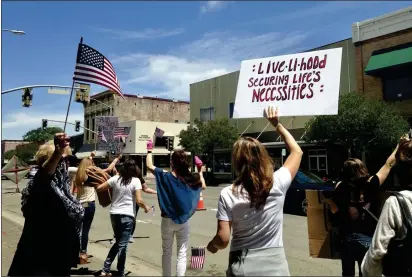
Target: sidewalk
(10, 237)
(12, 225)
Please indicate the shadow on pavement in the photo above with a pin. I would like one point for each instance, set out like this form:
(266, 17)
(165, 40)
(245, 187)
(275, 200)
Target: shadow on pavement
(85, 271)
(108, 240)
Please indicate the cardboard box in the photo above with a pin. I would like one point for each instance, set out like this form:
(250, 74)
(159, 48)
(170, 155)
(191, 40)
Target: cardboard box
(323, 238)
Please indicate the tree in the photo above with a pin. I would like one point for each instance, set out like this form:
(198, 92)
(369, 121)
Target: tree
(191, 138)
(361, 125)
(9, 154)
(37, 135)
(204, 138)
(26, 152)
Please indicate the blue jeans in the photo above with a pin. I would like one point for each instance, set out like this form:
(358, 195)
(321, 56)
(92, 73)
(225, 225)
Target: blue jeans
(354, 248)
(122, 228)
(87, 223)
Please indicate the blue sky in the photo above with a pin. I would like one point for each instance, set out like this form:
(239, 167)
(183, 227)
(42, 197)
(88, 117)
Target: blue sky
(157, 48)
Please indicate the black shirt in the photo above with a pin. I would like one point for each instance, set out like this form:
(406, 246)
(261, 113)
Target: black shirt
(354, 201)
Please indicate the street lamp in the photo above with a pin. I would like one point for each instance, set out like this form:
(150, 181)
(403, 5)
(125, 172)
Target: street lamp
(16, 32)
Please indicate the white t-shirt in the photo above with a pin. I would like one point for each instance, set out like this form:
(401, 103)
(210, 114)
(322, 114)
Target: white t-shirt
(251, 228)
(124, 197)
(72, 173)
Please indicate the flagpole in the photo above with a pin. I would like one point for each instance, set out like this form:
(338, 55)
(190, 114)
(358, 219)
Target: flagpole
(71, 93)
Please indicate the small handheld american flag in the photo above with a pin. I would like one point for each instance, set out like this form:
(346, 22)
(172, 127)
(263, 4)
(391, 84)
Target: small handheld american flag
(198, 257)
(159, 132)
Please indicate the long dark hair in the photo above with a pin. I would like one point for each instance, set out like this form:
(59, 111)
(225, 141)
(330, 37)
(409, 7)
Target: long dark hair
(355, 172)
(254, 170)
(128, 171)
(180, 165)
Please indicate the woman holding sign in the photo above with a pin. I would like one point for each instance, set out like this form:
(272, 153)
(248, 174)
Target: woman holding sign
(253, 207)
(178, 195)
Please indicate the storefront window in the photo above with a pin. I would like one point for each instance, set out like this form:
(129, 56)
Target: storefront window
(397, 88)
(207, 114)
(162, 161)
(222, 163)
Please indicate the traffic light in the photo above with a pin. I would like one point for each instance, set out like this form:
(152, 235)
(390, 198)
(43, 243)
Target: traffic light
(170, 143)
(44, 124)
(83, 93)
(27, 97)
(77, 126)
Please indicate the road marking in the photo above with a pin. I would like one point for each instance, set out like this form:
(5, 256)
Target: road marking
(99, 251)
(214, 210)
(143, 221)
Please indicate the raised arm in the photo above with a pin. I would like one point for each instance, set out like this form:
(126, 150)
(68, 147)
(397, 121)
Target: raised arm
(292, 163)
(61, 141)
(113, 164)
(386, 168)
(149, 157)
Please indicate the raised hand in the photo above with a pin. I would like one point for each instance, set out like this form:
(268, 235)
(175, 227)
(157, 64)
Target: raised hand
(61, 141)
(272, 115)
(149, 145)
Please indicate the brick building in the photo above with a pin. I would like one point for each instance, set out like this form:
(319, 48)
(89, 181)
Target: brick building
(133, 107)
(7, 145)
(384, 59)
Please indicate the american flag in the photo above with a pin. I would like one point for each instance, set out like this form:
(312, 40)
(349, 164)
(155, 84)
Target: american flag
(159, 132)
(93, 67)
(100, 136)
(198, 257)
(120, 132)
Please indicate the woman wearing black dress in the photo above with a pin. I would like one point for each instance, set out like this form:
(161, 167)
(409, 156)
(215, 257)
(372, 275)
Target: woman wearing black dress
(50, 241)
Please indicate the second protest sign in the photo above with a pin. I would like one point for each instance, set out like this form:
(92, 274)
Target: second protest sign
(301, 84)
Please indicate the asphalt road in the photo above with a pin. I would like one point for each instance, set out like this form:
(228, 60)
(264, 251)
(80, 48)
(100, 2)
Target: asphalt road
(146, 251)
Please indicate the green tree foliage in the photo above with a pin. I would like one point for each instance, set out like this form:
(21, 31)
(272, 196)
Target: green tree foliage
(24, 152)
(203, 138)
(39, 134)
(361, 125)
(9, 154)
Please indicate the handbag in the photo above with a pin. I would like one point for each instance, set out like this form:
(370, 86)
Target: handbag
(398, 259)
(98, 177)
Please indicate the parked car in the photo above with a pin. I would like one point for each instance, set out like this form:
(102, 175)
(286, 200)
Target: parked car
(32, 172)
(295, 201)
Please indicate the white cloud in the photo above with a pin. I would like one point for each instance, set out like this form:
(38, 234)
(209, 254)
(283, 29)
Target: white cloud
(170, 74)
(16, 124)
(211, 6)
(144, 34)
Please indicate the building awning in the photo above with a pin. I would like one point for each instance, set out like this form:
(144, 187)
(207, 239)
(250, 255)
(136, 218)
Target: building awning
(380, 62)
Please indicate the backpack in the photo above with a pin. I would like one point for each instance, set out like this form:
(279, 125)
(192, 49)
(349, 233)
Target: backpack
(398, 259)
(360, 210)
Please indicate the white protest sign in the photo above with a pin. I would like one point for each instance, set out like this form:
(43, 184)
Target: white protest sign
(301, 84)
(107, 125)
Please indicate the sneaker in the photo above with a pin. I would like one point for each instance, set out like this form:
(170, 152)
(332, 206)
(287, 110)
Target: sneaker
(131, 240)
(113, 241)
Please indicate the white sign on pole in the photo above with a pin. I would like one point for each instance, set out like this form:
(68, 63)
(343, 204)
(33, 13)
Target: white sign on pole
(58, 91)
(301, 84)
(283, 152)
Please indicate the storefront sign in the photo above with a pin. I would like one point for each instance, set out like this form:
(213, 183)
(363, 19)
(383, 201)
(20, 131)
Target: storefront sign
(301, 84)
